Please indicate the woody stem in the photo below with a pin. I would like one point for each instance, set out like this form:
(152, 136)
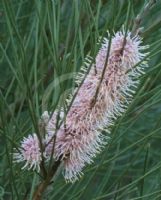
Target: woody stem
(40, 189)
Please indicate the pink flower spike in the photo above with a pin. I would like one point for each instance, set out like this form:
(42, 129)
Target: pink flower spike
(29, 152)
(79, 138)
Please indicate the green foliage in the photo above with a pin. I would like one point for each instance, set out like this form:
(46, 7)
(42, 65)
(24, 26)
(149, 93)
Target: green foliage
(42, 40)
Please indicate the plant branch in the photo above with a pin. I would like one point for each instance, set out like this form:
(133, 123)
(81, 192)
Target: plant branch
(141, 15)
(44, 184)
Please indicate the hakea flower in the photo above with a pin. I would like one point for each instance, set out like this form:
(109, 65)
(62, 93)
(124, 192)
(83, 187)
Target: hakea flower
(29, 152)
(79, 139)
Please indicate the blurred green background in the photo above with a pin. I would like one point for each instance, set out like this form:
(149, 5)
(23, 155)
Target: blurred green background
(41, 40)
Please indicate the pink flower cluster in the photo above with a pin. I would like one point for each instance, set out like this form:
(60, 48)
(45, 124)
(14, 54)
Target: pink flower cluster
(29, 152)
(80, 137)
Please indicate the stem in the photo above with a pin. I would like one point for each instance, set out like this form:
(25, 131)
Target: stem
(44, 184)
(141, 16)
